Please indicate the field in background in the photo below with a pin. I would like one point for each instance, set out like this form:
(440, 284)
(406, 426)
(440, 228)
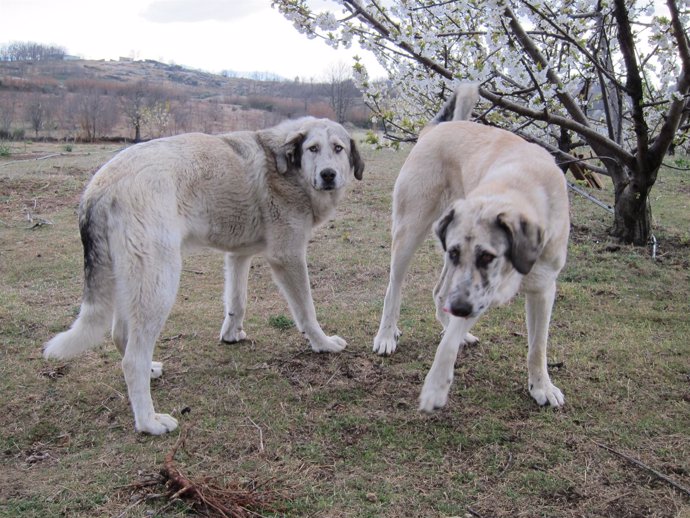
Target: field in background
(339, 435)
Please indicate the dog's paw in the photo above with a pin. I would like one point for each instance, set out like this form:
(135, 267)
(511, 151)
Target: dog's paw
(547, 394)
(385, 345)
(470, 339)
(160, 424)
(332, 344)
(230, 334)
(156, 369)
(434, 396)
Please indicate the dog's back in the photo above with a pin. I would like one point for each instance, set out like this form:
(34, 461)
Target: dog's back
(149, 199)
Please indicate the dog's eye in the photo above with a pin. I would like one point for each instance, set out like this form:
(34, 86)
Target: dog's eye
(485, 259)
(313, 149)
(454, 255)
(338, 148)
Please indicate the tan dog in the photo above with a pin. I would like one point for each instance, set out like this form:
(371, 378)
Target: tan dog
(504, 228)
(243, 193)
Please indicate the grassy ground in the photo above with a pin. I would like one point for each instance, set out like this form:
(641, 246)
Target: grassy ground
(339, 435)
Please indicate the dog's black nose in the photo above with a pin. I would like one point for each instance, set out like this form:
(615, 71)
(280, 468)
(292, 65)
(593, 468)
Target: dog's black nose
(328, 176)
(460, 308)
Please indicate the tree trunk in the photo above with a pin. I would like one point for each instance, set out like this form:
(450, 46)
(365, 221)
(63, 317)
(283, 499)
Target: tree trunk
(633, 213)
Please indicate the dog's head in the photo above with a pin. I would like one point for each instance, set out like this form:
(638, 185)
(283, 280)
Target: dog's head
(322, 151)
(488, 248)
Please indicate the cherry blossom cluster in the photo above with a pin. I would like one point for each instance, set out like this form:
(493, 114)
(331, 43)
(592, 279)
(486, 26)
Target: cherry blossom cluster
(553, 57)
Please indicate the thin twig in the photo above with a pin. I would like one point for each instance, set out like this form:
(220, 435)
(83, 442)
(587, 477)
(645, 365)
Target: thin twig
(136, 502)
(643, 466)
(509, 462)
(32, 159)
(261, 434)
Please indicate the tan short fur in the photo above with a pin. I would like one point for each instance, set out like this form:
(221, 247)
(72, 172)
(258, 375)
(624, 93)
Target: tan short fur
(504, 224)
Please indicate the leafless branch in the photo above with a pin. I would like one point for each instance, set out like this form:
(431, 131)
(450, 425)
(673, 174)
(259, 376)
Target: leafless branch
(644, 466)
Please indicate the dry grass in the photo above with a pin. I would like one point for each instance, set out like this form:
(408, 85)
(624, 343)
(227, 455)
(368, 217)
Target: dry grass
(339, 435)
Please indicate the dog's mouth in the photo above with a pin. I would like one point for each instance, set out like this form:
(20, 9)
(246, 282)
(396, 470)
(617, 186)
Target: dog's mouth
(325, 186)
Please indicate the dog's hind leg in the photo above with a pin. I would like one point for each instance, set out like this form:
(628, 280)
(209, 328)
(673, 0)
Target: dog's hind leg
(408, 234)
(151, 287)
(441, 294)
(539, 305)
(236, 277)
(119, 333)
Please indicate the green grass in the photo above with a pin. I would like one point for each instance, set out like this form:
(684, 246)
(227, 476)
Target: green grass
(339, 435)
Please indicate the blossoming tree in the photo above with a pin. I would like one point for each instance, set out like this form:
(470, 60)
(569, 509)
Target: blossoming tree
(603, 82)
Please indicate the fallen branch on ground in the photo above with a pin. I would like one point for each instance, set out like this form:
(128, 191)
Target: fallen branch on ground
(233, 501)
(642, 465)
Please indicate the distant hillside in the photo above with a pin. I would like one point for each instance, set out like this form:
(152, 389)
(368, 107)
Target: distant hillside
(78, 99)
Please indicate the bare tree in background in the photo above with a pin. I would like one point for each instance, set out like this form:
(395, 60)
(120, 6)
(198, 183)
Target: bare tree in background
(30, 51)
(93, 111)
(36, 113)
(340, 89)
(8, 105)
(133, 100)
(181, 114)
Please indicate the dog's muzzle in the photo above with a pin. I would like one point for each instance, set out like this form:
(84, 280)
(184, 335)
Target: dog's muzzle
(458, 308)
(328, 177)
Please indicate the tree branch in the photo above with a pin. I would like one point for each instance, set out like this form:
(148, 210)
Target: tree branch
(592, 136)
(675, 111)
(385, 33)
(633, 84)
(531, 49)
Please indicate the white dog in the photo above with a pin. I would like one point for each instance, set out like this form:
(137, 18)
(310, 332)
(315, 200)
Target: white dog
(244, 193)
(504, 228)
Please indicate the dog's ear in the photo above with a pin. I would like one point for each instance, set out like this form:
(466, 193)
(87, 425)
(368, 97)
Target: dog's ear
(441, 227)
(356, 161)
(525, 238)
(290, 154)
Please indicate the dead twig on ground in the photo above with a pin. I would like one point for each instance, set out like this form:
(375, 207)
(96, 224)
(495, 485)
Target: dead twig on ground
(195, 272)
(32, 159)
(232, 501)
(261, 434)
(644, 466)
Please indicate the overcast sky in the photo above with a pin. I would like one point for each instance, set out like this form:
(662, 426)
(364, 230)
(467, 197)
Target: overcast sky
(212, 35)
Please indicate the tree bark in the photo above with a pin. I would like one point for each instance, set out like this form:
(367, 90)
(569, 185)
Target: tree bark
(632, 221)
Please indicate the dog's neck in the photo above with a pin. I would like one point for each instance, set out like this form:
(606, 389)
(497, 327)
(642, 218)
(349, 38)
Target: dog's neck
(323, 204)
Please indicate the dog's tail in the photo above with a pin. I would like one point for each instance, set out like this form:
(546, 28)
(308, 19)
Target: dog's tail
(96, 311)
(459, 106)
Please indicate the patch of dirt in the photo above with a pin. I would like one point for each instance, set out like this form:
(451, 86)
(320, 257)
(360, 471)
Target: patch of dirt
(307, 370)
(19, 197)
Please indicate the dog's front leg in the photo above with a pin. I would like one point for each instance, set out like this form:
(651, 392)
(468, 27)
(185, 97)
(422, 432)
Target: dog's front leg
(440, 377)
(441, 295)
(236, 276)
(291, 276)
(539, 305)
